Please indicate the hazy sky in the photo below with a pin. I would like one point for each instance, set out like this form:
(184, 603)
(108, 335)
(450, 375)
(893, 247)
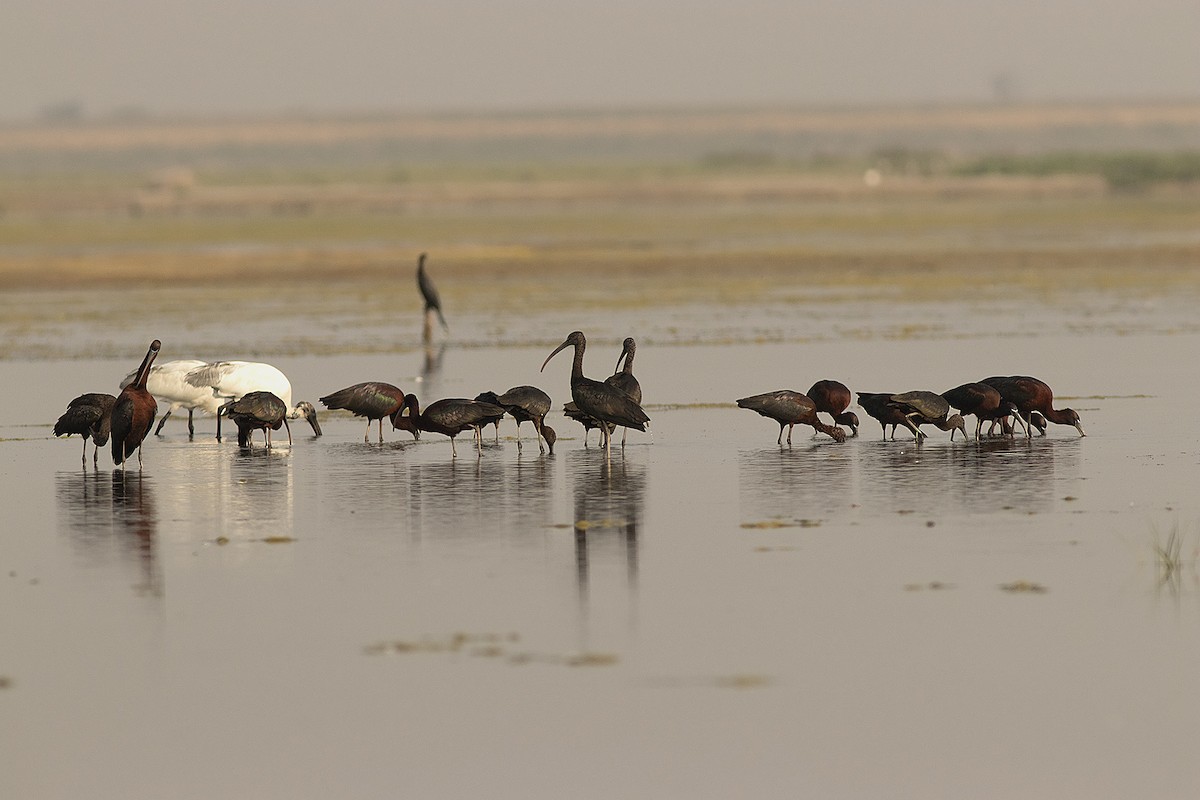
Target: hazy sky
(240, 56)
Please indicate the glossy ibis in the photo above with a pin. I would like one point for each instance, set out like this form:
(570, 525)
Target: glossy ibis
(789, 409)
(168, 383)
(833, 398)
(525, 404)
(372, 399)
(599, 400)
(1030, 396)
(878, 405)
(89, 415)
(230, 380)
(449, 417)
(927, 408)
(257, 411)
(981, 400)
(623, 378)
(133, 412)
(433, 303)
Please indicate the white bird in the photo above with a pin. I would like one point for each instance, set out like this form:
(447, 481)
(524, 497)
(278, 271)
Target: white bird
(232, 380)
(167, 383)
(209, 385)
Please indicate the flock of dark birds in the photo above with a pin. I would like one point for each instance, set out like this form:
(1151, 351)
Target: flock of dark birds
(257, 396)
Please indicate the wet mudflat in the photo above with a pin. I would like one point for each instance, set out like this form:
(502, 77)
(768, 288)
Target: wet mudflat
(706, 615)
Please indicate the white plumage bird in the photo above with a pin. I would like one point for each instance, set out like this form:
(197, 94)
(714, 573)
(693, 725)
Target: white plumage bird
(210, 385)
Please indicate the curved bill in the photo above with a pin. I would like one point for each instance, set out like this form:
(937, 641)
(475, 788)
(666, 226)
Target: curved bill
(557, 350)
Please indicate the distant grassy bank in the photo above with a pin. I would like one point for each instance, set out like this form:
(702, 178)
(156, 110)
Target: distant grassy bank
(991, 194)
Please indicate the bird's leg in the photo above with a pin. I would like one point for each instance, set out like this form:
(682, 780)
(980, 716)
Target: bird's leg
(453, 449)
(139, 457)
(267, 432)
(161, 422)
(288, 428)
(535, 431)
(479, 440)
(191, 424)
(85, 449)
(978, 426)
(498, 433)
(779, 439)
(790, 433)
(380, 429)
(218, 424)
(914, 428)
(95, 455)
(367, 435)
(623, 437)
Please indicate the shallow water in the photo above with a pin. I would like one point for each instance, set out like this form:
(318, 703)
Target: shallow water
(708, 614)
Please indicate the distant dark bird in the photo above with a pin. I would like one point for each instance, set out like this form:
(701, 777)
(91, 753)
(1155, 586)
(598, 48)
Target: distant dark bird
(602, 401)
(89, 415)
(373, 400)
(133, 412)
(257, 411)
(981, 400)
(449, 417)
(229, 380)
(525, 404)
(834, 398)
(1031, 395)
(921, 408)
(789, 409)
(878, 405)
(433, 303)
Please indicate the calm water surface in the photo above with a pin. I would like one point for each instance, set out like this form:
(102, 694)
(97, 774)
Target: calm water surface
(707, 615)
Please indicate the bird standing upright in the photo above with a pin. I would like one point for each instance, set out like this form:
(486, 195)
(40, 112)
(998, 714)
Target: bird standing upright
(133, 412)
(433, 303)
(599, 400)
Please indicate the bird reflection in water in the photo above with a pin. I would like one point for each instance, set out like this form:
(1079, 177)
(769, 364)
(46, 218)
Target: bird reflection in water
(260, 497)
(802, 482)
(480, 497)
(101, 509)
(985, 476)
(610, 497)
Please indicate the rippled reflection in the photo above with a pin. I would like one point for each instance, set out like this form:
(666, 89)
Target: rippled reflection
(984, 476)
(797, 482)
(823, 481)
(103, 510)
(609, 500)
(488, 496)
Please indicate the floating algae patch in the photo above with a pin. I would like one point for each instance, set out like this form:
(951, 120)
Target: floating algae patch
(1024, 587)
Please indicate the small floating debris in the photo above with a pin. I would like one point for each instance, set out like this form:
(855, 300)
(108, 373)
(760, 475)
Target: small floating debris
(1024, 586)
(277, 539)
(933, 586)
(5, 682)
(771, 524)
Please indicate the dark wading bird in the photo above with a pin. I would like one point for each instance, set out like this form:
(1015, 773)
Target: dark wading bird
(789, 409)
(981, 400)
(526, 404)
(833, 398)
(133, 412)
(373, 400)
(1030, 396)
(433, 303)
(622, 379)
(257, 411)
(927, 408)
(490, 397)
(600, 400)
(449, 417)
(878, 406)
(89, 415)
